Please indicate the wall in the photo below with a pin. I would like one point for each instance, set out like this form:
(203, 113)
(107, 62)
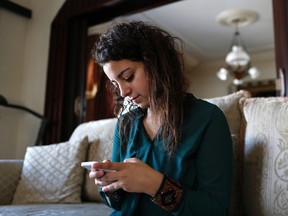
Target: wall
(205, 84)
(23, 67)
(13, 30)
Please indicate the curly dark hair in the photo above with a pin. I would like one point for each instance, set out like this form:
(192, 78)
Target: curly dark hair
(162, 58)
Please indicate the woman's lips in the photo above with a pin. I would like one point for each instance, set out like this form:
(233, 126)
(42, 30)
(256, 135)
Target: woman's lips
(133, 99)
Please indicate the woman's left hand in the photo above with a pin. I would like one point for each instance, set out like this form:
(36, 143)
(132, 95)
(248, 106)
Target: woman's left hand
(132, 176)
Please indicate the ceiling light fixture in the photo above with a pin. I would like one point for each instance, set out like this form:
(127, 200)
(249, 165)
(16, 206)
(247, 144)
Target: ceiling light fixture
(238, 60)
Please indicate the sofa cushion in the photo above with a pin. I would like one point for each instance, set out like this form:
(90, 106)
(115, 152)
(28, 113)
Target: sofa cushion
(265, 167)
(52, 174)
(100, 134)
(229, 104)
(83, 209)
(9, 178)
(101, 129)
(98, 151)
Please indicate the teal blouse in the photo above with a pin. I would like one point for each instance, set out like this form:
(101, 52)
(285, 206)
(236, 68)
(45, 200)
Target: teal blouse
(202, 163)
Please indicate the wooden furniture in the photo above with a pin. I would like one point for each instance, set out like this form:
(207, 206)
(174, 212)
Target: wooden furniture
(280, 15)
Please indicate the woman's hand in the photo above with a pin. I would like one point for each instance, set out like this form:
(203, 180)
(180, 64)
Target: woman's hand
(97, 174)
(132, 176)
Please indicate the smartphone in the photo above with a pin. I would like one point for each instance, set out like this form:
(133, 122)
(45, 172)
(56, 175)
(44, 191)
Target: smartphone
(88, 165)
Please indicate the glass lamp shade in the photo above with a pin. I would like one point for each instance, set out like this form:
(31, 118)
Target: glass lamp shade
(237, 57)
(238, 82)
(253, 72)
(222, 74)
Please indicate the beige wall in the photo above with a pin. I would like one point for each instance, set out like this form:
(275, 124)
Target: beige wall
(24, 47)
(205, 84)
(23, 68)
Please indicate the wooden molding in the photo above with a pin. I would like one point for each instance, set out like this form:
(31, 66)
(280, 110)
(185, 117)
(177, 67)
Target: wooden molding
(16, 8)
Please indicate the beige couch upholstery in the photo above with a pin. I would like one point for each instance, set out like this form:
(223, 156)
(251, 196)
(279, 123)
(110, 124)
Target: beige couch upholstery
(259, 130)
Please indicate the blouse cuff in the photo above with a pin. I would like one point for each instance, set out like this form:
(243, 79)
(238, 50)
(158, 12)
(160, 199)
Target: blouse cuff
(168, 195)
(115, 199)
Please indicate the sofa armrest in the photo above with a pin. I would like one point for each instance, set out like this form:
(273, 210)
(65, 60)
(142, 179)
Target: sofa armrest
(10, 172)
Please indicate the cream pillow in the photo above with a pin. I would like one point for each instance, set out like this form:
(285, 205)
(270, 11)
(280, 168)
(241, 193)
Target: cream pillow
(97, 151)
(52, 174)
(265, 167)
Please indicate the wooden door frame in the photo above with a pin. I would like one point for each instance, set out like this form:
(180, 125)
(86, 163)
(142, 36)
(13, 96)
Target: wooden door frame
(280, 17)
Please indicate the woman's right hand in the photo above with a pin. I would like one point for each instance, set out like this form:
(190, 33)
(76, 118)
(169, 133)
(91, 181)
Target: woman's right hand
(98, 174)
(132, 175)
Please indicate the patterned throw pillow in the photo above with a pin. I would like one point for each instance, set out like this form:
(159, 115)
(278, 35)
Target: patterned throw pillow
(52, 174)
(265, 173)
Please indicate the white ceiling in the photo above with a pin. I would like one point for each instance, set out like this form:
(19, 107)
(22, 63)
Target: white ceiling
(194, 21)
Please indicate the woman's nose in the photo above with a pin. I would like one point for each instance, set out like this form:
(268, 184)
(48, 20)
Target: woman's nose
(125, 90)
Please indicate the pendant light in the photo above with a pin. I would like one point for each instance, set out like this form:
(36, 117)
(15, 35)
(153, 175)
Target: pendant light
(238, 61)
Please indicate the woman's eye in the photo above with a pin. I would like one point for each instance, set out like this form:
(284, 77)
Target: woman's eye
(129, 78)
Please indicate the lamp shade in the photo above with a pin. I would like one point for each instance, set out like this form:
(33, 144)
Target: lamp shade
(222, 74)
(238, 82)
(237, 57)
(254, 72)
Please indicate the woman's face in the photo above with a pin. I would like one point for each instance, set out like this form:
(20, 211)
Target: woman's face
(131, 79)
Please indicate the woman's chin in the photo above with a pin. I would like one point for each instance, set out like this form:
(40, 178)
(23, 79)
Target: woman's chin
(143, 106)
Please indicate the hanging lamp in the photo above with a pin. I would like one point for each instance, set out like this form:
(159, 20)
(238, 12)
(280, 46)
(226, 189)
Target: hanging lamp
(238, 61)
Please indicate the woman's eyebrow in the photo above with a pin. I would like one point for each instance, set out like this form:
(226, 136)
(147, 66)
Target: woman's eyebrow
(123, 71)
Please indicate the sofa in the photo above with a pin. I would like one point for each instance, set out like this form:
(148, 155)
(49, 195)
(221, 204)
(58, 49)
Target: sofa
(50, 180)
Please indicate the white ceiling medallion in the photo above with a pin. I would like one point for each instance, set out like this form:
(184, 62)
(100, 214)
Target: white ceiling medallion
(239, 17)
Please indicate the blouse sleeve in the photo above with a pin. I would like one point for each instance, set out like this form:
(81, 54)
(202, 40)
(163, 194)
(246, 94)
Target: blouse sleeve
(214, 172)
(115, 199)
(116, 145)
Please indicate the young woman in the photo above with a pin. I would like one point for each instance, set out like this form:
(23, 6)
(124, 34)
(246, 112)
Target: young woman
(172, 154)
